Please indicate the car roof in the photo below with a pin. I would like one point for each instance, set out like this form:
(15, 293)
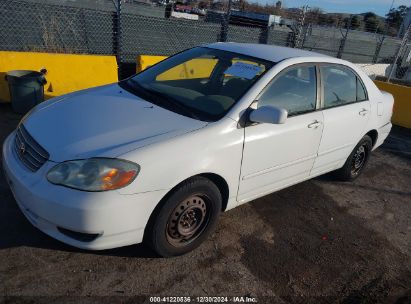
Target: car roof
(264, 51)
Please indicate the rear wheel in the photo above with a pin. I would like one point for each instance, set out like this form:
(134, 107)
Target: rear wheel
(357, 160)
(185, 219)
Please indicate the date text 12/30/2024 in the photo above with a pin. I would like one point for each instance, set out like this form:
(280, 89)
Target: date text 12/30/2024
(236, 299)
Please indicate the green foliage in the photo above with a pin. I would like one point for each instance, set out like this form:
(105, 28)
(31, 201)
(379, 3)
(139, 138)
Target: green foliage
(396, 16)
(372, 24)
(355, 22)
(369, 15)
(352, 22)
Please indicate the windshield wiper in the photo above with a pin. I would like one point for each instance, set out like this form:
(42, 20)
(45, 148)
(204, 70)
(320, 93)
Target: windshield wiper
(165, 99)
(174, 102)
(134, 88)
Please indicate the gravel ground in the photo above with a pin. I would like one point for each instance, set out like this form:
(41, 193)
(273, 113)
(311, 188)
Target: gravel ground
(319, 241)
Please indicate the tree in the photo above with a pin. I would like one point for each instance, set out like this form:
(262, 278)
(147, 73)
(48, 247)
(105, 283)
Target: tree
(371, 22)
(313, 15)
(322, 19)
(334, 19)
(352, 22)
(355, 22)
(368, 15)
(396, 16)
(203, 4)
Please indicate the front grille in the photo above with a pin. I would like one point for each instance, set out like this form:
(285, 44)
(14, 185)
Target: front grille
(31, 154)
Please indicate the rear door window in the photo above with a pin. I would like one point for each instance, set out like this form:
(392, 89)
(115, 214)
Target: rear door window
(341, 86)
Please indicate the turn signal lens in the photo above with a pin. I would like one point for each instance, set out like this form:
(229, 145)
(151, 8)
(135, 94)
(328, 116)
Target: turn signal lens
(115, 179)
(94, 174)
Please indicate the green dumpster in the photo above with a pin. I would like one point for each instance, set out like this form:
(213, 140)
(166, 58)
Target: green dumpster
(26, 89)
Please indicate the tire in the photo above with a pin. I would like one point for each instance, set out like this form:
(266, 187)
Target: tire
(356, 162)
(185, 219)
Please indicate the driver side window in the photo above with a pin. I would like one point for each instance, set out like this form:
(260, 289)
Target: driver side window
(294, 89)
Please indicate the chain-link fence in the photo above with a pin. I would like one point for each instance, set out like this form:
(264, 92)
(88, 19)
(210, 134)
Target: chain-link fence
(31, 26)
(129, 28)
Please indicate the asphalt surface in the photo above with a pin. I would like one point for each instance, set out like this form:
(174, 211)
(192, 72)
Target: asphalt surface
(319, 241)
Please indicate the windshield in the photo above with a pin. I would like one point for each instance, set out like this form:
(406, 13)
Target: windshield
(201, 83)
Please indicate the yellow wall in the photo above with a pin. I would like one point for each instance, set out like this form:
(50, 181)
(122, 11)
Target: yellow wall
(65, 72)
(195, 68)
(144, 61)
(402, 102)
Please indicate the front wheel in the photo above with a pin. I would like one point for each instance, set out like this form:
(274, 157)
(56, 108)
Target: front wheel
(357, 160)
(185, 219)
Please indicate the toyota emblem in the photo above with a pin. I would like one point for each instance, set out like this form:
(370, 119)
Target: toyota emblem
(22, 148)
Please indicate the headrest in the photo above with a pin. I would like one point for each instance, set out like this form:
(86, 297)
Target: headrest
(335, 79)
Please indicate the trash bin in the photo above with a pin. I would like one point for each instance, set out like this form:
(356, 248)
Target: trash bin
(26, 89)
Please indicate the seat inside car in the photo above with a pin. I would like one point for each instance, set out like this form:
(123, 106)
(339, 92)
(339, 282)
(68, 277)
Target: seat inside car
(234, 88)
(336, 85)
(290, 92)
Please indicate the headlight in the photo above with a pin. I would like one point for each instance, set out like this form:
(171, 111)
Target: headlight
(94, 174)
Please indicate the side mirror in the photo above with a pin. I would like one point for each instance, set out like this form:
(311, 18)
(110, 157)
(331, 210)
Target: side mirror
(269, 114)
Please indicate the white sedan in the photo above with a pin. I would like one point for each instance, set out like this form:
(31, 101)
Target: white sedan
(157, 157)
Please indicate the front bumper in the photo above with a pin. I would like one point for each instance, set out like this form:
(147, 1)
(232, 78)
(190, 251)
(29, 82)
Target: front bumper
(116, 219)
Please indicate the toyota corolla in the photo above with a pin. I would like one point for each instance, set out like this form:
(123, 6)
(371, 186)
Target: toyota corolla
(157, 157)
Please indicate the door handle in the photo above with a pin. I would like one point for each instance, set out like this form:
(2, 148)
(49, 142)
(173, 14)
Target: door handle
(314, 124)
(363, 112)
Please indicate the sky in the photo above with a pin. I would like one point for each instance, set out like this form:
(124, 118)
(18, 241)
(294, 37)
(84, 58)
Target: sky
(380, 7)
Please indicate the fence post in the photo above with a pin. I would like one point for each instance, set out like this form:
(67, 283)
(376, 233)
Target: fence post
(399, 52)
(307, 29)
(118, 38)
(344, 38)
(378, 49)
(291, 39)
(298, 32)
(263, 38)
(225, 23)
(224, 28)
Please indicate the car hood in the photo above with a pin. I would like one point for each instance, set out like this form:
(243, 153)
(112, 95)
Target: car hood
(105, 121)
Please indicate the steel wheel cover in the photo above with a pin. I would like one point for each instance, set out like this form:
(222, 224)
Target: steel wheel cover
(187, 221)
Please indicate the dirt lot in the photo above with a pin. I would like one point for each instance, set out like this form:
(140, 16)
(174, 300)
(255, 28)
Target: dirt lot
(319, 241)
